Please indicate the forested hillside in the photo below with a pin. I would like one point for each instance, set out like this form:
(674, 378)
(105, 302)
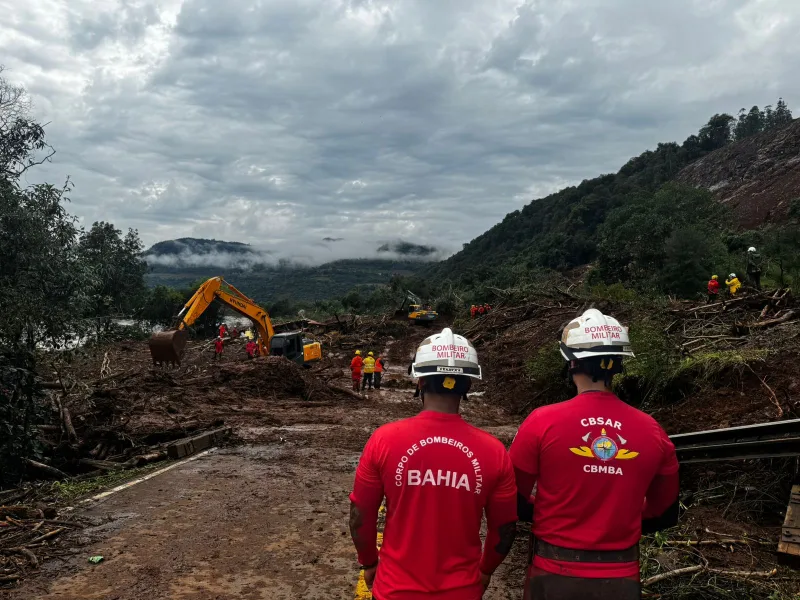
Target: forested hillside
(573, 226)
(270, 283)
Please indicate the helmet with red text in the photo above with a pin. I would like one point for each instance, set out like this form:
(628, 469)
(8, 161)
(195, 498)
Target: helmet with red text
(446, 353)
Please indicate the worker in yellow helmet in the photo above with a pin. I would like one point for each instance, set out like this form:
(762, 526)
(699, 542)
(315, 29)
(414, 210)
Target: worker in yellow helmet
(369, 370)
(713, 289)
(355, 370)
(733, 284)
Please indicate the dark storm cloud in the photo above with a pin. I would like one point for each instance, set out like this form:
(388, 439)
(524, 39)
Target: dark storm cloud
(283, 122)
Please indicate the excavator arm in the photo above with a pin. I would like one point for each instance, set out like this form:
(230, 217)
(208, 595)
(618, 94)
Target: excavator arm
(168, 346)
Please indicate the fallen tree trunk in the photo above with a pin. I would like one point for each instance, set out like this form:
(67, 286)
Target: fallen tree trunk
(52, 471)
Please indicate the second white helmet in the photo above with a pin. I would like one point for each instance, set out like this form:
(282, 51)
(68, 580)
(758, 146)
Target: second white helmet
(594, 334)
(446, 353)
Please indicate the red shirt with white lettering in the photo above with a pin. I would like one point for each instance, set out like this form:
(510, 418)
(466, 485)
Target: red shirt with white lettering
(438, 474)
(594, 459)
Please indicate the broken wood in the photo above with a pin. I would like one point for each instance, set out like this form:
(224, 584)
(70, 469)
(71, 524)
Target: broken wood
(103, 465)
(51, 471)
(336, 388)
(34, 562)
(47, 536)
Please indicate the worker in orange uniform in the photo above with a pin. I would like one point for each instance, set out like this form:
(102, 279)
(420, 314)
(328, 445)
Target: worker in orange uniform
(439, 476)
(378, 374)
(481, 310)
(369, 371)
(713, 289)
(355, 370)
(219, 345)
(250, 347)
(599, 467)
(487, 308)
(473, 310)
(223, 330)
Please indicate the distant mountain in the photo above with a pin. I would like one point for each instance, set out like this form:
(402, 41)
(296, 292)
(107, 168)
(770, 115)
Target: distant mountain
(183, 246)
(180, 263)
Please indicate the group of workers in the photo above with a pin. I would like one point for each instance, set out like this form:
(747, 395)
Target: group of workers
(372, 369)
(478, 310)
(597, 471)
(251, 346)
(734, 284)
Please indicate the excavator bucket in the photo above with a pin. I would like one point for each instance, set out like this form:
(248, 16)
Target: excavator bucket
(168, 346)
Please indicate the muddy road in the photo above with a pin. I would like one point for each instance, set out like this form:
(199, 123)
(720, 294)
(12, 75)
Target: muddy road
(263, 518)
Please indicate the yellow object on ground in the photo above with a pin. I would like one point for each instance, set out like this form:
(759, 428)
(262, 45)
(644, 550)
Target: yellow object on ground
(362, 592)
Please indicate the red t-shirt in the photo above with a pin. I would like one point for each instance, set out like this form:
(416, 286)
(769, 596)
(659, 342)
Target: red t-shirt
(594, 458)
(438, 474)
(355, 366)
(218, 345)
(713, 286)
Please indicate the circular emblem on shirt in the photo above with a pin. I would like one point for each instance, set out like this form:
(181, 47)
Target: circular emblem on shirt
(604, 448)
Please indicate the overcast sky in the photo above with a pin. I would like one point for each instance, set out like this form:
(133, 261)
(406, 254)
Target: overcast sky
(282, 122)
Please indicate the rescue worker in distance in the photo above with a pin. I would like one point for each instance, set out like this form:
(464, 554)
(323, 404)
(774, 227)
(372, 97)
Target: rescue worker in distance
(369, 369)
(439, 475)
(600, 467)
(355, 370)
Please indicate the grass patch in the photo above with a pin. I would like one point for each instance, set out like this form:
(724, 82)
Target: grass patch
(64, 492)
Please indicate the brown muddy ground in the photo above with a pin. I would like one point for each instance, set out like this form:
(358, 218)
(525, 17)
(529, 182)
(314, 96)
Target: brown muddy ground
(265, 518)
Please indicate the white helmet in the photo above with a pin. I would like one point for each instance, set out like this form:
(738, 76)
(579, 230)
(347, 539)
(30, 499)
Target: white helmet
(594, 334)
(751, 249)
(446, 354)
(732, 276)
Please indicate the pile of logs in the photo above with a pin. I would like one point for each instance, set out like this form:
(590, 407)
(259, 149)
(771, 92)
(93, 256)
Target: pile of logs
(27, 536)
(730, 323)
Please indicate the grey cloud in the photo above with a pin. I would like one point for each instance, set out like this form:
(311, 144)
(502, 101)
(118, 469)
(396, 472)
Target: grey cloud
(284, 121)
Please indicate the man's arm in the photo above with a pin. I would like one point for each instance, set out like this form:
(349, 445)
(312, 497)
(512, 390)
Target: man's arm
(661, 502)
(365, 500)
(501, 519)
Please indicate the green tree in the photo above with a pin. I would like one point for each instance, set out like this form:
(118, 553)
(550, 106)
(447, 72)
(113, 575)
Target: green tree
(688, 262)
(783, 116)
(116, 270)
(634, 239)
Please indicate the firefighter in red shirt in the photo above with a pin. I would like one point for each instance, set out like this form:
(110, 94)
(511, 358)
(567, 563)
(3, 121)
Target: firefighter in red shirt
(713, 289)
(355, 370)
(439, 476)
(219, 345)
(602, 471)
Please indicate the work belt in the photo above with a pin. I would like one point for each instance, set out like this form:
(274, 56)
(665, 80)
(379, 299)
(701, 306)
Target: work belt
(552, 552)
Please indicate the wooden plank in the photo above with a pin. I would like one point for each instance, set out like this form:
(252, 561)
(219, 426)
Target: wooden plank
(196, 443)
(789, 546)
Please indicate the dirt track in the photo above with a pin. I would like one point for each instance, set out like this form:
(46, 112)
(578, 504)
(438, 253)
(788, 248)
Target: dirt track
(263, 519)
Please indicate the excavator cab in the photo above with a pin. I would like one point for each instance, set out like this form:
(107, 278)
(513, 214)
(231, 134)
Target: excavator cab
(294, 347)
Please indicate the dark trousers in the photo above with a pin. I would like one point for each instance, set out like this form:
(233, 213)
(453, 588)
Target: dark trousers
(712, 298)
(367, 381)
(756, 279)
(548, 586)
(377, 379)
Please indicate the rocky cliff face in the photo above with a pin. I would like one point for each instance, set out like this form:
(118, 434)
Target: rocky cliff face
(757, 177)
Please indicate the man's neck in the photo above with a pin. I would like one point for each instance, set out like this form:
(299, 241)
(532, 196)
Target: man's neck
(591, 386)
(447, 404)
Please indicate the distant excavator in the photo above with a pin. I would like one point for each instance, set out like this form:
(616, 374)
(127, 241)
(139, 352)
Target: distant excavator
(418, 312)
(168, 346)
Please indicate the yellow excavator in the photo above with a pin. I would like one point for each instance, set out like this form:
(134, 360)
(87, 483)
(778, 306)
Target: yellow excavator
(168, 346)
(418, 312)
